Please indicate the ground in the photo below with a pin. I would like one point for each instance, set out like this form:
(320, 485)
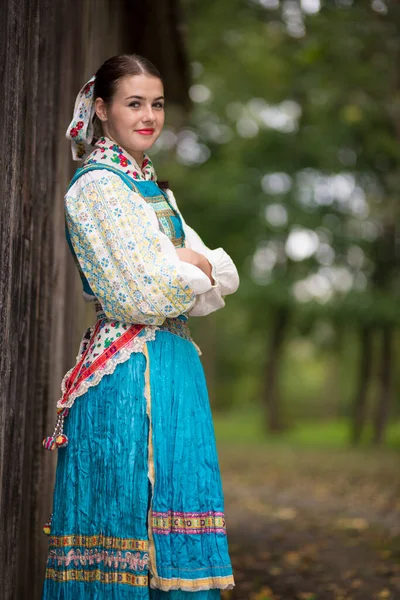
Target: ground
(312, 523)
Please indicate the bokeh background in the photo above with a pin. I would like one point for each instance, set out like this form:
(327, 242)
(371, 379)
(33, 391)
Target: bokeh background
(290, 161)
(282, 145)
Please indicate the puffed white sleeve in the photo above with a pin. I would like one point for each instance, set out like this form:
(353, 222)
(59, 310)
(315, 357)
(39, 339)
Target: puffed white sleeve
(223, 270)
(130, 264)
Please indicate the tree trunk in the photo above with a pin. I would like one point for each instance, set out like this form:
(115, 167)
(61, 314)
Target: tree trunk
(364, 378)
(383, 404)
(271, 396)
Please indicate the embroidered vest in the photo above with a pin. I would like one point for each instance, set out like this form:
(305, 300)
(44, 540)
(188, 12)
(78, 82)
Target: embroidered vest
(110, 342)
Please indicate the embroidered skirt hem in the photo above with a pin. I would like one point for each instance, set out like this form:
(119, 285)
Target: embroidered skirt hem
(138, 509)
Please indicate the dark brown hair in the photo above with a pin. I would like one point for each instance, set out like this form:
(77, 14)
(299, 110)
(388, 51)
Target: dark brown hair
(117, 67)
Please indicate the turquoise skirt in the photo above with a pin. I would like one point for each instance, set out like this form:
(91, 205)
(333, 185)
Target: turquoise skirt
(138, 509)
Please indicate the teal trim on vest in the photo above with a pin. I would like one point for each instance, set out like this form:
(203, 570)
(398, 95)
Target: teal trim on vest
(148, 188)
(145, 187)
(95, 167)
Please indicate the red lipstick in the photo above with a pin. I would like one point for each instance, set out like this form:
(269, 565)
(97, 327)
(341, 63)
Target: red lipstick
(145, 131)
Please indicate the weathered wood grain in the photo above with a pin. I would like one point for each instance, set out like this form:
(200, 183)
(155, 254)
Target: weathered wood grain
(47, 51)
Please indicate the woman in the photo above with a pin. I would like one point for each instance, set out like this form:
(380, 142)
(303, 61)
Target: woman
(138, 508)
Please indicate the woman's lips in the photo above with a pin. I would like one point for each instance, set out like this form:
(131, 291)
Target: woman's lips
(145, 131)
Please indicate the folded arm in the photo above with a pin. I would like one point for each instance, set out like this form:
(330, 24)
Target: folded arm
(223, 272)
(131, 266)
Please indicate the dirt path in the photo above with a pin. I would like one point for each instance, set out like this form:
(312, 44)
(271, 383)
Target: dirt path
(312, 525)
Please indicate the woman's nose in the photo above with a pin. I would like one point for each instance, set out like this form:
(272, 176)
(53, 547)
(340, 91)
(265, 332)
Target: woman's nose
(149, 114)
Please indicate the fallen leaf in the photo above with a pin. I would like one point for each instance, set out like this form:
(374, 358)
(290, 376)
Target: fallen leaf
(286, 514)
(358, 524)
(264, 594)
(292, 558)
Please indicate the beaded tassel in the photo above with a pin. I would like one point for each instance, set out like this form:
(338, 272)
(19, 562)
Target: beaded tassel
(58, 439)
(47, 525)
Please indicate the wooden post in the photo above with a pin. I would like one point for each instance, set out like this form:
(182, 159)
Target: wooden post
(47, 51)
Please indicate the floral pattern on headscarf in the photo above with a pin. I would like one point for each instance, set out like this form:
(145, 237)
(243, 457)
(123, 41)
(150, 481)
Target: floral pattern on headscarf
(81, 129)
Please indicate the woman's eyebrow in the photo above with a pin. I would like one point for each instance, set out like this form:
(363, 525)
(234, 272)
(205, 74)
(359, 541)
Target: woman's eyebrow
(142, 98)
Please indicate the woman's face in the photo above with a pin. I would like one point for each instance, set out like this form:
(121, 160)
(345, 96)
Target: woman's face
(136, 116)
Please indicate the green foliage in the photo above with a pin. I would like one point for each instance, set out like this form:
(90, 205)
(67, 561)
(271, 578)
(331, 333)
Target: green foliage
(290, 162)
(245, 428)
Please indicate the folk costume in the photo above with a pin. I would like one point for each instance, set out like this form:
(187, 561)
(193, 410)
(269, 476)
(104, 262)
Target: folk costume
(138, 508)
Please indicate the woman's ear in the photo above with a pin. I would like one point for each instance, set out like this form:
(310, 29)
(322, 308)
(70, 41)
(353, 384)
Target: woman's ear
(101, 109)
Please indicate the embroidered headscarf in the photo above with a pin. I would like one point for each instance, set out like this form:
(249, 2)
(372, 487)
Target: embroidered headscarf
(89, 144)
(82, 127)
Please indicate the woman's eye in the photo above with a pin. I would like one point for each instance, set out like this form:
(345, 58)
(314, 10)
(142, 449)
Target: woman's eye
(156, 105)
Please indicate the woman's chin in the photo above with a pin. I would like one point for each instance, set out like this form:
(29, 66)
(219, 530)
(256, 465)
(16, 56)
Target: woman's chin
(143, 145)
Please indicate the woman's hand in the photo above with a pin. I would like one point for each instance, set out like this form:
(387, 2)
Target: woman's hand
(196, 259)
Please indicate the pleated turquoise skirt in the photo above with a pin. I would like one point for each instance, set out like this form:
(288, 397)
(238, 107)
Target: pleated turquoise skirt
(138, 509)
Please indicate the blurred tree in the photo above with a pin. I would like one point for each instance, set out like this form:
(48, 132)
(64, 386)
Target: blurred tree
(293, 149)
(364, 376)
